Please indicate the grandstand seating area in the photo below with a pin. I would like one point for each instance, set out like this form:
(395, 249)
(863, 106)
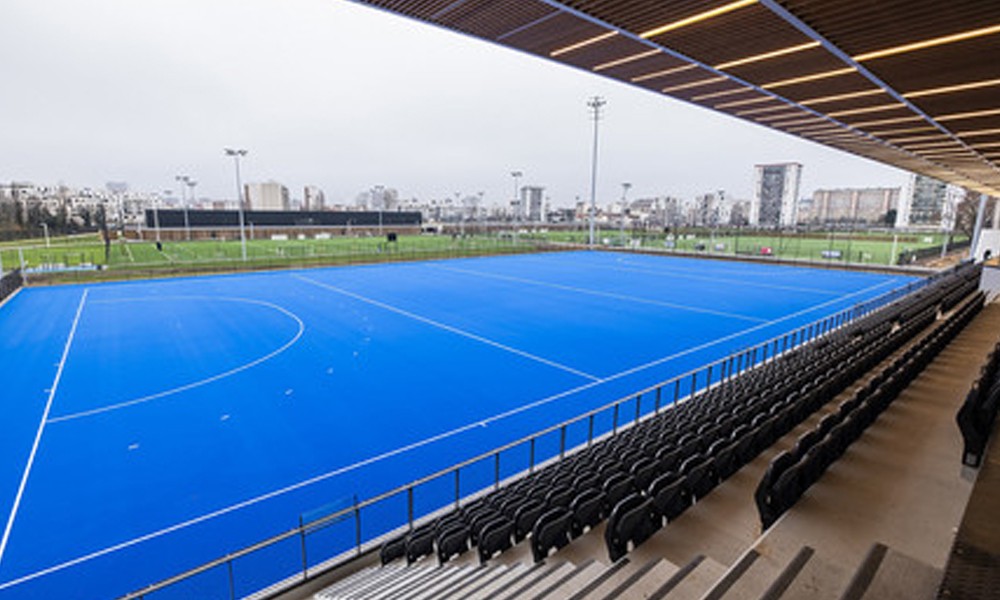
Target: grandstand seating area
(633, 482)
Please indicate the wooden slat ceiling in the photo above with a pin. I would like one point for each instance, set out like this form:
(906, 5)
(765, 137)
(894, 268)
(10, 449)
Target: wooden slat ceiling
(912, 83)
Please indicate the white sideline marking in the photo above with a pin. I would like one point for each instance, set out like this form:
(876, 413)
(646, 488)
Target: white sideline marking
(41, 427)
(189, 386)
(683, 273)
(625, 297)
(448, 328)
(407, 448)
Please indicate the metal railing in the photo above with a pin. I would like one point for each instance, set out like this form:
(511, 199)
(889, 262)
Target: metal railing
(346, 533)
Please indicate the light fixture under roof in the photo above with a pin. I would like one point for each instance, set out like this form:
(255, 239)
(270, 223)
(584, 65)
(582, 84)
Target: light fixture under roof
(703, 16)
(938, 41)
(662, 73)
(968, 115)
(948, 89)
(762, 109)
(867, 109)
(625, 60)
(839, 97)
(736, 103)
(807, 78)
(721, 94)
(692, 84)
(890, 121)
(903, 130)
(583, 44)
(765, 56)
(977, 132)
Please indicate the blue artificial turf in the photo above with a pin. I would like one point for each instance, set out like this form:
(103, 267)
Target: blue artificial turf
(194, 417)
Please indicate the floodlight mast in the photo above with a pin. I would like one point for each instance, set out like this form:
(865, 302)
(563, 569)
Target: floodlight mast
(184, 180)
(236, 154)
(595, 104)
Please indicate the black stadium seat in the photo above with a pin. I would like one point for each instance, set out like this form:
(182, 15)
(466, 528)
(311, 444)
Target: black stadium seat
(452, 542)
(670, 495)
(392, 550)
(551, 531)
(633, 520)
(419, 545)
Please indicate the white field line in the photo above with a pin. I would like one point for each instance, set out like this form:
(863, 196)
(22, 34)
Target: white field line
(612, 295)
(41, 426)
(684, 274)
(195, 384)
(449, 328)
(407, 448)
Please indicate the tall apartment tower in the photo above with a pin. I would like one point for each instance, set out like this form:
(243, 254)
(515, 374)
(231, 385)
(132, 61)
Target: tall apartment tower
(312, 198)
(776, 195)
(269, 195)
(532, 203)
(928, 203)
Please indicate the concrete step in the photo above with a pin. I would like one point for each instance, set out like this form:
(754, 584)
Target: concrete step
(691, 581)
(808, 576)
(529, 587)
(746, 579)
(424, 575)
(886, 574)
(511, 579)
(371, 588)
(355, 579)
(433, 588)
(610, 578)
(644, 581)
(491, 574)
(573, 582)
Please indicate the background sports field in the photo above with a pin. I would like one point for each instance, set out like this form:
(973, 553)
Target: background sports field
(151, 426)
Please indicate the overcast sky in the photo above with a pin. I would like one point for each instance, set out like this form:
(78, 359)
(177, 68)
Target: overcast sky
(343, 96)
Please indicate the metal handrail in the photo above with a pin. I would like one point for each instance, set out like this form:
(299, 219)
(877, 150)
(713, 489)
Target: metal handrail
(834, 321)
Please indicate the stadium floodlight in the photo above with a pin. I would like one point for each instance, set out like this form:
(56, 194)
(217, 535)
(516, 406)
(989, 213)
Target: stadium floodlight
(236, 154)
(184, 180)
(595, 104)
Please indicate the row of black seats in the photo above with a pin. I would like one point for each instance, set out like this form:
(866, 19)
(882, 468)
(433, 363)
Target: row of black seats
(670, 459)
(791, 472)
(978, 413)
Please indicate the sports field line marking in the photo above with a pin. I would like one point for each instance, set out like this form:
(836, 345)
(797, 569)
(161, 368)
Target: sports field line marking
(41, 427)
(407, 448)
(579, 290)
(199, 383)
(684, 274)
(449, 328)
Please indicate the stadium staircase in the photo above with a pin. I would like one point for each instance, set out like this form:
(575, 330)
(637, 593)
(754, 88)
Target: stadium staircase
(874, 520)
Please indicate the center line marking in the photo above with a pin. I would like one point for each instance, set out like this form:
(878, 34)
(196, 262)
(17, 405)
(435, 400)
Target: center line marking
(41, 427)
(449, 328)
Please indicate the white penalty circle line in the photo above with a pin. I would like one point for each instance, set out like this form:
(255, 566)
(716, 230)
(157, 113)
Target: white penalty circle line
(201, 382)
(412, 446)
(41, 426)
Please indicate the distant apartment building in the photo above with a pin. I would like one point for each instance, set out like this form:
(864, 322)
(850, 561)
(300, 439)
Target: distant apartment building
(269, 195)
(871, 206)
(776, 195)
(532, 203)
(312, 198)
(928, 203)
